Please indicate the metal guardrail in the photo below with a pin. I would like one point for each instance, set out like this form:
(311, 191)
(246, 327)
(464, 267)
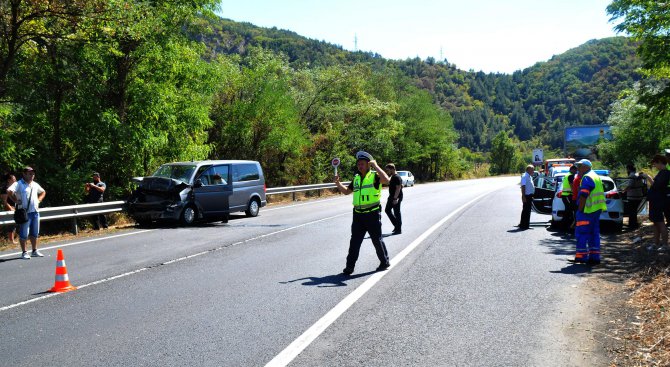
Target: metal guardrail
(83, 210)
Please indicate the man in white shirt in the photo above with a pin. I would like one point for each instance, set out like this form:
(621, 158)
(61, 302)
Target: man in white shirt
(28, 194)
(527, 191)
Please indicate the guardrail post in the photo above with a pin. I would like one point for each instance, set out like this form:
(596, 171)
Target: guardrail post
(293, 195)
(75, 227)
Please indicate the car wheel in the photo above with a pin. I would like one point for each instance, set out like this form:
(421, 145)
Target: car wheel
(144, 223)
(189, 215)
(253, 208)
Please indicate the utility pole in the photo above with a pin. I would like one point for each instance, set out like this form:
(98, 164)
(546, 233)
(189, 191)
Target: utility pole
(355, 42)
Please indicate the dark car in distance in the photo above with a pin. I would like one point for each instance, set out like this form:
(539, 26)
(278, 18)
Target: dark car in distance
(203, 190)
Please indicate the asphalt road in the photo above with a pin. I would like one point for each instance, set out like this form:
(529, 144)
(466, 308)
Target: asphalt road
(465, 289)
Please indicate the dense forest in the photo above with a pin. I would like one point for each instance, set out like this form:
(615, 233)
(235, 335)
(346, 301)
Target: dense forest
(121, 87)
(574, 88)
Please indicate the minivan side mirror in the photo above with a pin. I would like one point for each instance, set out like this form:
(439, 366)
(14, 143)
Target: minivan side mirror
(198, 183)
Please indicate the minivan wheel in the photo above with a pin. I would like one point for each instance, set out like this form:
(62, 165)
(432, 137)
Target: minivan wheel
(189, 215)
(252, 208)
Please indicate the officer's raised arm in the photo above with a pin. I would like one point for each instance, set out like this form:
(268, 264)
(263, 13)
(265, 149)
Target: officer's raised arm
(383, 177)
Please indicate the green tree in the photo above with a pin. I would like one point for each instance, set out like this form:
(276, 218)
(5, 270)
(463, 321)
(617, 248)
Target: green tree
(638, 135)
(255, 116)
(649, 23)
(503, 154)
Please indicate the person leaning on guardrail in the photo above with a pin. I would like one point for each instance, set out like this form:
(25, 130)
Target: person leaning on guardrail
(8, 204)
(367, 189)
(94, 194)
(28, 194)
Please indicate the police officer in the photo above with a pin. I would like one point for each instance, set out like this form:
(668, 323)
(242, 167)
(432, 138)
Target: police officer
(367, 189)
(591, 202)
(566, 196)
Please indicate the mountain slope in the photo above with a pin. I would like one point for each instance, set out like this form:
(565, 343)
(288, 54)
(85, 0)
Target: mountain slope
(573, 88)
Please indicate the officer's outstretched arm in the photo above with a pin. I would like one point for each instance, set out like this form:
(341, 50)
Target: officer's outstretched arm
(341, 188)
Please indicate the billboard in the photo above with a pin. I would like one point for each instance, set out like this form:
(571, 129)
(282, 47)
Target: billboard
(580, 141)
(538, 156)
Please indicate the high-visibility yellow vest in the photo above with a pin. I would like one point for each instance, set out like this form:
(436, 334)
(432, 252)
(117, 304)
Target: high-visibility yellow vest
(596, 199)
(366, 196)
(567, 188)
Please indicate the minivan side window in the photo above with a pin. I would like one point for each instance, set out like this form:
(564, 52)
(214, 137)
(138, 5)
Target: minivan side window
(245, 172)
(217, 175)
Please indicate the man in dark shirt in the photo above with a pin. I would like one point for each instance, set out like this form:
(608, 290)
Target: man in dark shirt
(392, 208)
(94, 194)
(657, 197)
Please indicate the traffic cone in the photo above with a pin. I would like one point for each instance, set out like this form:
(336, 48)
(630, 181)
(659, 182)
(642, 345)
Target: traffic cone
(62, 280)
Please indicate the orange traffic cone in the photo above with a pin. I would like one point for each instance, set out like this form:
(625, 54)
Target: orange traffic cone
(62, 280)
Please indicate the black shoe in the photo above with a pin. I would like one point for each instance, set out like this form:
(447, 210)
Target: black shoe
(593, 262)
(577, 261)
(396, 231)
(348, 271)
(383, 266)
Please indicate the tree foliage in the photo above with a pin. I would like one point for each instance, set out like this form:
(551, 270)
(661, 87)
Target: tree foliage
(649, 23)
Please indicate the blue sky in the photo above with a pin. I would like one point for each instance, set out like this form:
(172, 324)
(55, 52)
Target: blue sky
(488, 35)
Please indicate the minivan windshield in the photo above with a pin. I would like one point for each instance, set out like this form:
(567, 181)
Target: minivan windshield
(402, 173)
(179, 172)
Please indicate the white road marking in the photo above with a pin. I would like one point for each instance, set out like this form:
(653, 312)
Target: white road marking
(105, 280)
(303, 341)
(81, 242)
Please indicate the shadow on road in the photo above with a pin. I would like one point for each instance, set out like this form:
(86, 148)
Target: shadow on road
(336, 280)
(615, 251)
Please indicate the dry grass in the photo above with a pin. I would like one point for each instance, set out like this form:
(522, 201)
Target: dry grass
(643, 321)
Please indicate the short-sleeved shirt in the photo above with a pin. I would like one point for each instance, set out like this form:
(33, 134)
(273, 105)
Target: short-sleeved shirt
(529, 185)
(635, 189)
(658, 190)
(394, 184)
(22, 190)
(95, 196)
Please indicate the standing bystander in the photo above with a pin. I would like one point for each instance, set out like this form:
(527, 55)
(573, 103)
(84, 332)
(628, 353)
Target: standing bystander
(392, 208)
(8, 204)
(28, 194)
(657, 197)
(94, 194)
(634, 195)
(566, 197)
(527, 192)
(367, 188)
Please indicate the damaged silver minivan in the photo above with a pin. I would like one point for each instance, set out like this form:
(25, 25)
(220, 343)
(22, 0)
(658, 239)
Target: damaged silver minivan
(192, 191)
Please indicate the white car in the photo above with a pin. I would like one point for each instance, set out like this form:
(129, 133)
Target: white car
(407, 178)
(547, 200)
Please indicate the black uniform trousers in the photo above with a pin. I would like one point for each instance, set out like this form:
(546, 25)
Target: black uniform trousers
(568, 216)
(371, 223)
(393, 212)
(525, 212)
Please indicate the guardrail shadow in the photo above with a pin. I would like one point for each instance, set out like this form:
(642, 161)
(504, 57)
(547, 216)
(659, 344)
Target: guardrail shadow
(335, 280)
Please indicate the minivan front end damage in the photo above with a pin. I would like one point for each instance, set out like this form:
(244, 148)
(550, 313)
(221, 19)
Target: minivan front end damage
(158, 198)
